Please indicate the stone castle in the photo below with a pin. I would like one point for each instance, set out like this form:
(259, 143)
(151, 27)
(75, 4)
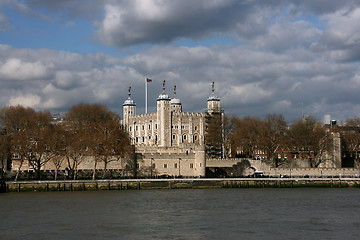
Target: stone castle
(169, 141)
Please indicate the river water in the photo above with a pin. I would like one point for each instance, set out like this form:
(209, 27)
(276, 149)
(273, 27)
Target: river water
(182, 214)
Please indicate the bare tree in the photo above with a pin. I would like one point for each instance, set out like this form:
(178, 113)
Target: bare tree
(98, 131)
(310, 138)
(351, 138)
(4, 152)
(56, 146)
(274, 130)
(246, 137)
(28, 132)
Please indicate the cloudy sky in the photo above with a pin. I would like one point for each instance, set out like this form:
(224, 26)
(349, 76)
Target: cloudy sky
(268, 56)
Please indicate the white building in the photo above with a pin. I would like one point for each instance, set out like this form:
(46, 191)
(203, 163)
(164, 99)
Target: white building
(170, 141)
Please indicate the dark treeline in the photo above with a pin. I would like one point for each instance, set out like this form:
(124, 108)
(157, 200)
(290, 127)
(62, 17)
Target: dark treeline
(251, 137)
(87, 130)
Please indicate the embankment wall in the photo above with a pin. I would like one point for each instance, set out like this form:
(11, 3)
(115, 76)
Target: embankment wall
(180, 183)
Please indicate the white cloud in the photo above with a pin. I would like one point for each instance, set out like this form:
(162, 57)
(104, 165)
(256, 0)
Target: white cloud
(28, 100)
(284, 35)
(14, 68)
(342, 35)
(152, 21)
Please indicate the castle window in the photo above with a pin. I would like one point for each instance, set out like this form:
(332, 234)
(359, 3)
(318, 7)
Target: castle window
(130, 129)
(156, 138)
(156, 126)
(175, 165)
(165, 165)
(149, 137)
(143, 128)
(136, 127)
(149, 126)
(143, 139)
(195, 128)
(137, 140)
(173, 136)
(191, 165)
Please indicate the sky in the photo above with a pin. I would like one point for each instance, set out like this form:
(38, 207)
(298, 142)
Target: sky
(288, 57)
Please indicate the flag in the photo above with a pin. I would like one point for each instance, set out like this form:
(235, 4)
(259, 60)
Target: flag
(148, 80)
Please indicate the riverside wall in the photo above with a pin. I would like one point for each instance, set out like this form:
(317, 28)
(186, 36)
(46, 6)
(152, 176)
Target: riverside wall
(131, 184)
(292, 170)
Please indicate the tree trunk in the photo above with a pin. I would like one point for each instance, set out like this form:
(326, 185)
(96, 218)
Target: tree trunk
(94, 170)
(75, 172)
(105, 168)
(38, 169)
(18, 172)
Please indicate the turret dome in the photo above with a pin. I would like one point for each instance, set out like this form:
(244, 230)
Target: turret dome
(213, 97)
(129, 101)
(175, 100)
(163, 95)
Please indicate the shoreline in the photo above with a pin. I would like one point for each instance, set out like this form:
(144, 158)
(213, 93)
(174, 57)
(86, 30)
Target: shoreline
(187, 183)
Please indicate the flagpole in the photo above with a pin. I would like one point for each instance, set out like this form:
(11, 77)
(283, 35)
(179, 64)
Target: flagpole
(145, 95)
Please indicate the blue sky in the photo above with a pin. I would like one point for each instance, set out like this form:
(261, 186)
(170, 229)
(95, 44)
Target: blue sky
(265, 56)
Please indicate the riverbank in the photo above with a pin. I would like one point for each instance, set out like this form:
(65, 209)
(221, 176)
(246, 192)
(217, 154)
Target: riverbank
(191, 183)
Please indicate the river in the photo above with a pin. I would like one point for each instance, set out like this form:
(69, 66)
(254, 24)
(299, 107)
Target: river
(182, 214)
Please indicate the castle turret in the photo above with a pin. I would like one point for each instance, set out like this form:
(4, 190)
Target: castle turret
(175, 103)
(213, 102)
(129, 110)
(164, 119)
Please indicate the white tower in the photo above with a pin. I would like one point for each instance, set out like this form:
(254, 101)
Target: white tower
(164, 118)
(175, 103)
(213, 102)
(129, 109)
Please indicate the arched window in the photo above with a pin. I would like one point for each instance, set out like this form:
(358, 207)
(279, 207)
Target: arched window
(195, 138)
(184, 138)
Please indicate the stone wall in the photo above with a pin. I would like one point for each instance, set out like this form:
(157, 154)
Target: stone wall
(292, 168)
(313, 172)
(174, 161)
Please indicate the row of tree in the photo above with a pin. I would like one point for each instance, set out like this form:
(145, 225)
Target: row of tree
(305, 135)
(88, 130)
(252, 135)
